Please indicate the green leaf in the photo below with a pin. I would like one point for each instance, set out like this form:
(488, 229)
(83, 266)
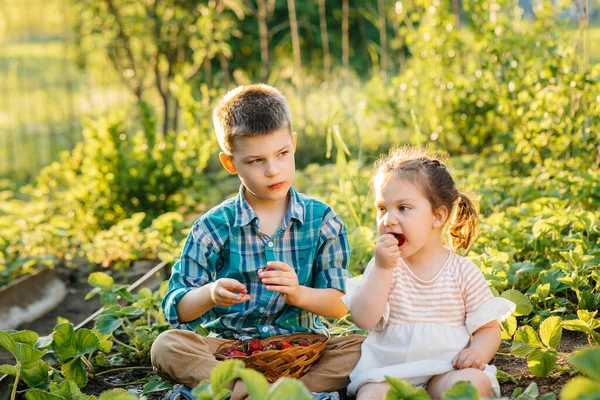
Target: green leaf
(403, 390)
(525, 342)
(202, 391)
(551, 332)
(8, 343)
(576, 325)
(200, 330)
(541, 361)
(36, 394)
(503, 376)
(461, 391)
(108, 323)
(524, 306)
(289, 389)
(8, 369)
(532, 390)
(509, 327)
(126, 294)
(66, 388)
(27, 354)
(75, 370)
(256, 384)
(588, 362)
(85, 342)
(27, 337)
(117, 394)
(63, 341)
(101, 280)
(156, 386)
(580, 388)
(37, 376)
(224, 373)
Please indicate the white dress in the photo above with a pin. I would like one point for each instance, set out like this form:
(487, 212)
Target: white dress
(426, 323)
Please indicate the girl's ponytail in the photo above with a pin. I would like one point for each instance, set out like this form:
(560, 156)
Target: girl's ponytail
(463, 227)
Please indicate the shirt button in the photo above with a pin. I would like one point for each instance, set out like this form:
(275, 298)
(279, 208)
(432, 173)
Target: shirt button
(270, 244)
(262, 309)
(265, 329)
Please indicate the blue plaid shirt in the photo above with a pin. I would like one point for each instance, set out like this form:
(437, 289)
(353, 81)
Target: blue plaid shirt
(226, 243)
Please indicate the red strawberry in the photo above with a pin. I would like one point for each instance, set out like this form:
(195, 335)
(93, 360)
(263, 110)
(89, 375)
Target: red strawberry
(271, 346)
(255, 352)
(270, 269)
(236, 353)
(286, 345)
(400, 238)
(255, 344)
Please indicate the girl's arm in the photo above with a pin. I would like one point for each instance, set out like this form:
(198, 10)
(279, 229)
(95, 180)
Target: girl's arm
(484, 345)
(486, 340)
(370, 300)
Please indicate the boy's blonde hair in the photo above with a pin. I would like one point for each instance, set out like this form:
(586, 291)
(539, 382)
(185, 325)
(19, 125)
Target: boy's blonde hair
(429, 172)
(252, 110)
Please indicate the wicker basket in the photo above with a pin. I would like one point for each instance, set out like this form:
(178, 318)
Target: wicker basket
(274, 364)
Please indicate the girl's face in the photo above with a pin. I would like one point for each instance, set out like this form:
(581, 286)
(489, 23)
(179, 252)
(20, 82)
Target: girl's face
(403, 208)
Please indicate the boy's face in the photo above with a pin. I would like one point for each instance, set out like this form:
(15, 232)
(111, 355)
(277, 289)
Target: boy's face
(265, 165)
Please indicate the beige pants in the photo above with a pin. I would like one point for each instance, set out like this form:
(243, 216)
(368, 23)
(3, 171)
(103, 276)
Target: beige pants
(185, 357)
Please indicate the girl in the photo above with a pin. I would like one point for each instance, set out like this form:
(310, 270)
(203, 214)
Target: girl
(431, 317)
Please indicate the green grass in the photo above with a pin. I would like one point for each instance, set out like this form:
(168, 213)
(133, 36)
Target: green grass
(44, 96)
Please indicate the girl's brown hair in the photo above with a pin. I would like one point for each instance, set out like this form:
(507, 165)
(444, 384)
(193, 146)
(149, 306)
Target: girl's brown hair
(430, 173)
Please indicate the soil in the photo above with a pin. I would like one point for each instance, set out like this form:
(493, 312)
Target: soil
(517, 367)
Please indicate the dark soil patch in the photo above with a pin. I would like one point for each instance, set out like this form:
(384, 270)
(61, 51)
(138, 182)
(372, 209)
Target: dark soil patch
(134, 380)
(517, 367)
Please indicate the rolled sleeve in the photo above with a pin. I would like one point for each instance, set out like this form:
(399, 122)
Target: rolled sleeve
(333, 255)
(194, 269)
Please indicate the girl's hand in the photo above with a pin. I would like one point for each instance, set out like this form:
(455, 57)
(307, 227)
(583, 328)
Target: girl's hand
(284, 280)
(387, 251)
(223, 292)
(468, 358)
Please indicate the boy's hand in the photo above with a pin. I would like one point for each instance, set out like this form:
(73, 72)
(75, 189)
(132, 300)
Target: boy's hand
(468, 358)
(223, 292)
(284, 281)
(387, 251)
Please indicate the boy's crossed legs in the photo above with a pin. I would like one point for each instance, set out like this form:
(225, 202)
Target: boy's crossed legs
(188, 358)
(435, 387)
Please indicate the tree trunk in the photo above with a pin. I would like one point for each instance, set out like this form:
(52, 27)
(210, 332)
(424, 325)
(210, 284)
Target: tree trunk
(225, 71)
(345, 39)
(456, 10)
(382, 40)
(264, 39)
(325, 39)
(295, 44)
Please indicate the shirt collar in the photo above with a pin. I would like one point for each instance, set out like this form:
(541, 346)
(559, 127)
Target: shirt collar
(244, 214)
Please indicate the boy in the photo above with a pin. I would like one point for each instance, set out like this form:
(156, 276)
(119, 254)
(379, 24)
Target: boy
(223, 279)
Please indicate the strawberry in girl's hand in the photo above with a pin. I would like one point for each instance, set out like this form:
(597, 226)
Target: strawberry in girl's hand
(253, 345)
(400, 238)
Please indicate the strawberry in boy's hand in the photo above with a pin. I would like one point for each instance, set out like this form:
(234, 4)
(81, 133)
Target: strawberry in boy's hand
(400, 238)
(280, 277)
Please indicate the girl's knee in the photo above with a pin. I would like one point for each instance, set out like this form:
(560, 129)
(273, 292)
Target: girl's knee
(477, 378)
(373, 391)
(481, 381)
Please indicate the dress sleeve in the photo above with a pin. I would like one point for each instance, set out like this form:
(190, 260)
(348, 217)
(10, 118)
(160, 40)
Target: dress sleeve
(480, 304)
(352, 286)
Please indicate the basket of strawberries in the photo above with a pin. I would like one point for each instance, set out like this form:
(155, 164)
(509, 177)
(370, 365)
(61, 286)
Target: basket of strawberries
(277, 356)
